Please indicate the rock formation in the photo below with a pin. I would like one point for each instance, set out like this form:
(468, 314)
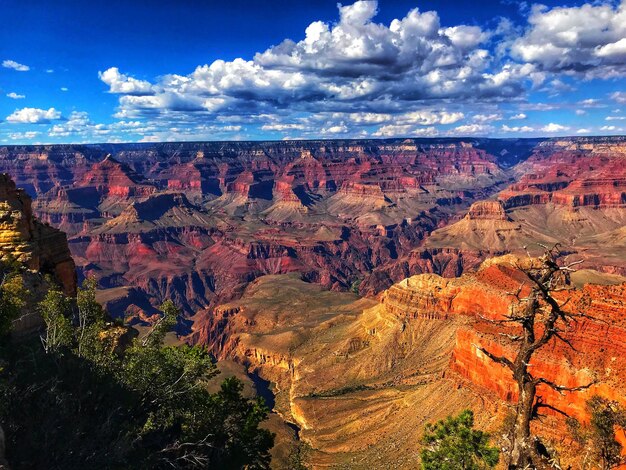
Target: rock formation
(39, 247)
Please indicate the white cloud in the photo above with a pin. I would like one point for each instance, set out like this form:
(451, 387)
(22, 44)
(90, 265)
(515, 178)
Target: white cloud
(611, 128)
(33, 115)
(471, 129)
(15, 96)
(619, 96)
(586, 40)
(506, 128)
(553, 127)
(64, 88)
(404, 130)
(78, 123)
(591, 103)
(425, 132)
(392, 130)
(518, 116)
(615, 118)
(580, 112)
(123, 84)
(11, 64)
(24, 135)
(336, 129)
(583, 131)
(49, 71)
(486, 117)
(353, 64)
(425, 118)
(369, 118)
(282, 127)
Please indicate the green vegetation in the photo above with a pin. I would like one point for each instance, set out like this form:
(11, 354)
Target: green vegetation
(454, 444)
(90, 393)
(12, 295)
(337, 392)
(598, 438)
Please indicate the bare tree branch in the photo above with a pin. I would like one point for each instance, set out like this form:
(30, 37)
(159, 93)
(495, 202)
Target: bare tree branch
(562, 388)
(499, 359)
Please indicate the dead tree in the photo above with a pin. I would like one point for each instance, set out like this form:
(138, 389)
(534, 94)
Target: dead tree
(537, 318)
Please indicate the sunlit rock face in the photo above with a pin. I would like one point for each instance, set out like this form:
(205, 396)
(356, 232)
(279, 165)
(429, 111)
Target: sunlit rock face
(39, 247)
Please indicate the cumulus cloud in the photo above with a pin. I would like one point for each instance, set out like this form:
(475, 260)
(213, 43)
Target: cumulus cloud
(355, 76)
(355, 63)
(282, 127)
(611, 128)
(123, 84)
(11, 64)
(472, 129)
(425, 118)
(15, 96)
(78, 123)
(336, 129)
(553, 127)
(591, 103)
(589, 40)
(506, 128)
(33, 115)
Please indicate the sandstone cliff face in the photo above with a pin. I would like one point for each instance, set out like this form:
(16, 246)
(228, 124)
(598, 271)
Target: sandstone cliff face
(598, 340)
(39, 247)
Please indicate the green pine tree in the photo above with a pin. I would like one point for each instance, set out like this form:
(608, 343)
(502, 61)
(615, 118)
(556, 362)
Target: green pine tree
(454, 444)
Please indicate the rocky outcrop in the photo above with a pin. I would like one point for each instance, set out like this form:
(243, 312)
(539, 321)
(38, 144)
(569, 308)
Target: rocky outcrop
(39, 247)
(598, 340)
(487, 210)
(573, 173)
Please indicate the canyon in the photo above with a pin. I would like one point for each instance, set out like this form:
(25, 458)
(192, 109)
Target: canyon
(353, 275)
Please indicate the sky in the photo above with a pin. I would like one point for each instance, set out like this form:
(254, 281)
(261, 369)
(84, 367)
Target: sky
(75, 71)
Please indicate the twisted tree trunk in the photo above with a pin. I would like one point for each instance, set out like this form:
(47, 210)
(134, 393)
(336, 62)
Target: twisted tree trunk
(539, 318)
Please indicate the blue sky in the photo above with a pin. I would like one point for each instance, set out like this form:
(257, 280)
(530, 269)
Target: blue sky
(127, 71)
